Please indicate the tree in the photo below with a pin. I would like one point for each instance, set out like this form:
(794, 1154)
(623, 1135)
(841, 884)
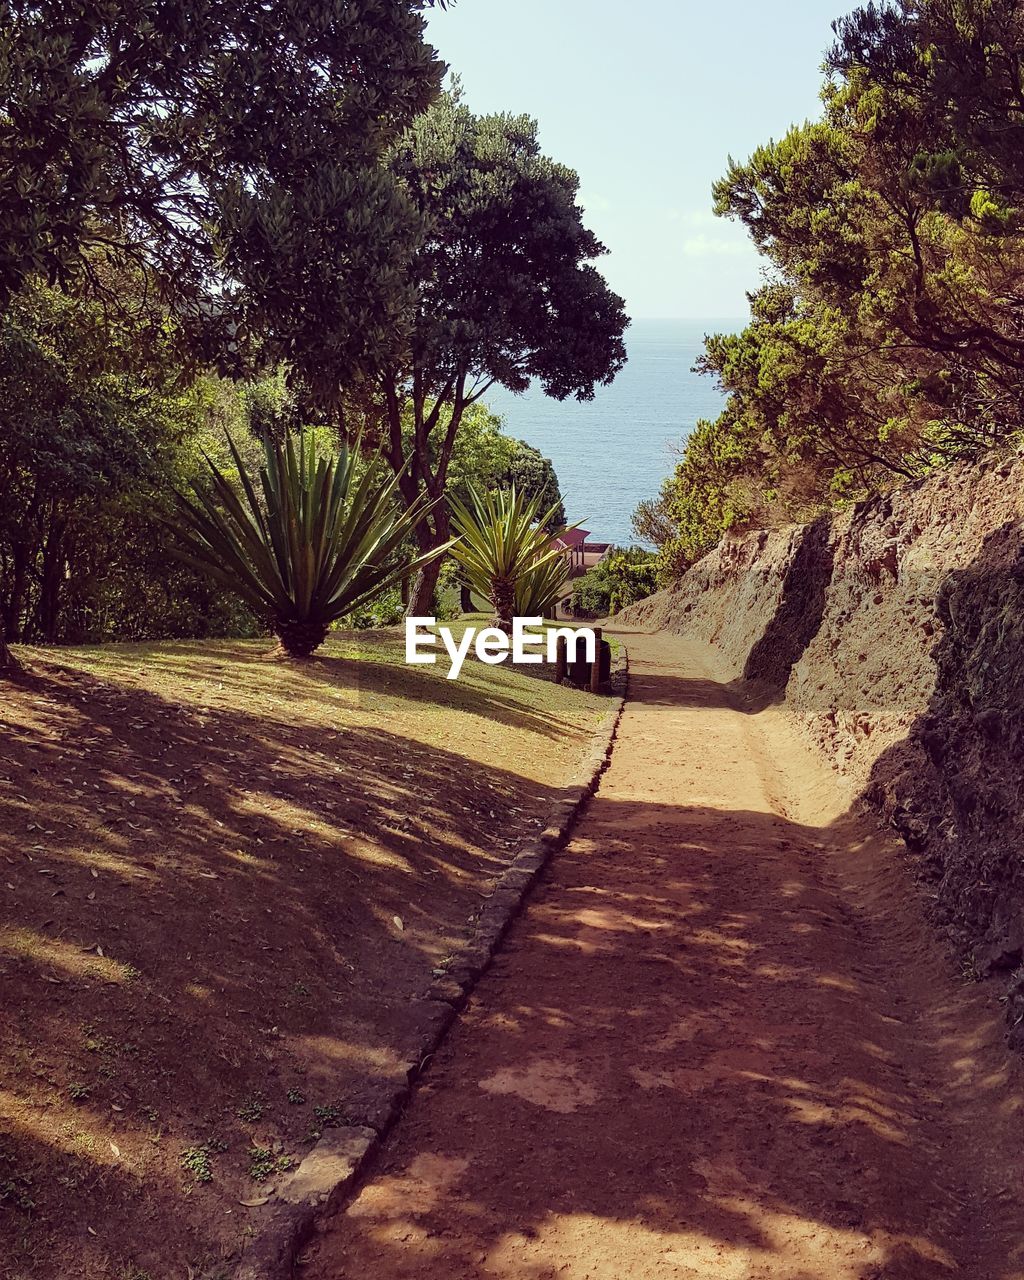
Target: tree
(505, 553)
(505, 292)
(625, 575)
(530, 473)
(957, 67)
(652, 521)
(86, 419)
(230, 151)
(168, 130)
(887, 340)
(481, 455)
(485, 458)
(98, 430)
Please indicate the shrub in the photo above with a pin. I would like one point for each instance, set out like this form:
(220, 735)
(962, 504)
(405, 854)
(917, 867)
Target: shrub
(506, 554)
(620, 579)
(324, 538)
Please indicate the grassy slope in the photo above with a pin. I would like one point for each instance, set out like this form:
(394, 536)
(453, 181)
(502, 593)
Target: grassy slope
(224, 880)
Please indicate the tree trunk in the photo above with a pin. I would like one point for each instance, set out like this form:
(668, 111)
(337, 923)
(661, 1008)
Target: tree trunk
(503, 597)
(465, 599)
(421, 594)
(9, 665)
(52, 581)
(301, 639)
(14, 606)
(432, 532)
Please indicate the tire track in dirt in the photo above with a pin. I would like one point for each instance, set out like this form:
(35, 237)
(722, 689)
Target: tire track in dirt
(721, 1042)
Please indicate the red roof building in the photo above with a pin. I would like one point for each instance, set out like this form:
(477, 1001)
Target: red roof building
(581, 555)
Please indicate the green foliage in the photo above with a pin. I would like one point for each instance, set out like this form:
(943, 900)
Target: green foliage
(97, 428)
(16, 1189)
(321, 539)
(539, 587)
(325, 1116)
(481, 454)
(505, 553)
(505, 291)
(624, 576)
(384, 610)
(484, 458)
(292, 220)
(328, 1116)
(260, 215)
(264, 1163)
(889, 340)
(252, 1109)
(198, 1160)
(504, 224)
(261, 207)
(653, 521)
(531, 474)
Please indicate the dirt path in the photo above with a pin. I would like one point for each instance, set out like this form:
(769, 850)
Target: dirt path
(720, 1043)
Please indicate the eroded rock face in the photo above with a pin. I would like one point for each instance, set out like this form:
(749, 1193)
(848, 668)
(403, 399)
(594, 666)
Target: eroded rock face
(807, 576)
(894, 634)
(955, 787)
(728, 598)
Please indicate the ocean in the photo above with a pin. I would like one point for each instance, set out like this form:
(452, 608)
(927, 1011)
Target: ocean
(617, 449)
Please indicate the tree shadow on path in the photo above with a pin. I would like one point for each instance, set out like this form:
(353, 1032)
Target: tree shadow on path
(719, 1043)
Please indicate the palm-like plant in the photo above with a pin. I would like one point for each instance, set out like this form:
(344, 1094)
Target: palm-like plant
(540, 586)
(326, 537)
(506, 555)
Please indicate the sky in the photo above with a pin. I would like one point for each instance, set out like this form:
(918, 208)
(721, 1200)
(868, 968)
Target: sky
(646, 99)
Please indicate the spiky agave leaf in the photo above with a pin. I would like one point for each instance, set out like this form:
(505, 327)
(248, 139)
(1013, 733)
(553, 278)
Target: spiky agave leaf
(539, 588)
(315, 541)
(502, 541)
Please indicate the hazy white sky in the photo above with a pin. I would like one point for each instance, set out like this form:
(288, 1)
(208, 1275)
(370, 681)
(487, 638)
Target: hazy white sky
(646, 99)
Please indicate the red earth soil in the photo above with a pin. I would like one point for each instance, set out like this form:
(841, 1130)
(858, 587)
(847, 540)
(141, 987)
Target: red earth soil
(223, 886)
(721, 1042)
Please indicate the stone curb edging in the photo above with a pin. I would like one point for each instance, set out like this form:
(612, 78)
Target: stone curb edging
(331, 1168)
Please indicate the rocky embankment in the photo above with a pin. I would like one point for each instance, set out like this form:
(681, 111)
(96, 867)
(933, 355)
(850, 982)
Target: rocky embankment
(894, 633)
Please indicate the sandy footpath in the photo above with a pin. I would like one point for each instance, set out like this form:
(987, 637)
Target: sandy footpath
(719, 1043)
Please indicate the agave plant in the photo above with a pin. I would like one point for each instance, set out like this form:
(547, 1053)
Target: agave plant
(539, 588)
(506, 555)
(324, 537)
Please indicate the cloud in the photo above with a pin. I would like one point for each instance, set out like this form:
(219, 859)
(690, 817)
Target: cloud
(592, 200)
(705, 246)
(696, 218)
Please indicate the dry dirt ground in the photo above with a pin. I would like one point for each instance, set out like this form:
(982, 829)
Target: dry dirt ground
(224, 883)
(720, 1043)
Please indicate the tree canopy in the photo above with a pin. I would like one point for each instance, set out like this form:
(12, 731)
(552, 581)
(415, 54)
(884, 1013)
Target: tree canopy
(229, 149)
(98, 431)
(505, 291)
(227, 157)
(276, 195)
(887, 339)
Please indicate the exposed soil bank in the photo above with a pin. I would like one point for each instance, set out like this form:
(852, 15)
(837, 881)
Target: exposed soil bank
(895, 635)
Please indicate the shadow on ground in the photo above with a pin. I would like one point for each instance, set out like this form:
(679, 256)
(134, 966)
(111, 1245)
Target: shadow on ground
(702, 1054)
(217, 914)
